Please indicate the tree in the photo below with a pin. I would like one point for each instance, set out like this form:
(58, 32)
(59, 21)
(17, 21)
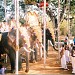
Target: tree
(2, 13)
(8, 2)
(29, 1)
(72, 7)
(73, 29)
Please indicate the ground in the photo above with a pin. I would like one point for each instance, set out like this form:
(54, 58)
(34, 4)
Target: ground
(51, 66)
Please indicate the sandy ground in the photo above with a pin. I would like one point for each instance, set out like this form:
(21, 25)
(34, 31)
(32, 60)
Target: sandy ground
(50, 66)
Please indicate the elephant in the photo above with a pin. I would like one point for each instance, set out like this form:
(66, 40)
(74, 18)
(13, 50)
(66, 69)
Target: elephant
(28, 34)
(6, 48)
(50, 38)
(8, 45)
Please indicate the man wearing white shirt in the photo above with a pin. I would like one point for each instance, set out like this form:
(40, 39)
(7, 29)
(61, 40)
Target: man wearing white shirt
(4, 27)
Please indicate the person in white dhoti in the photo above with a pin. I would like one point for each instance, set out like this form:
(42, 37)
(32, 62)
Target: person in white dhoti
(73, 60)
(70, 48)
(63, 58)
(67, 54)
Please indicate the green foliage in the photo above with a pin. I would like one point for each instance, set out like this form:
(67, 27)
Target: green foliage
(22, 21)
(55, 2)
(2, 13)
(72, 7)
(72, 3)
(63, 29)
(8, 2)
(22, 4)
(73, 29)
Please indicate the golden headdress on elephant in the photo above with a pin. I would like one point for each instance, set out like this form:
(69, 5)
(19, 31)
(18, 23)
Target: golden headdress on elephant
(32, 20)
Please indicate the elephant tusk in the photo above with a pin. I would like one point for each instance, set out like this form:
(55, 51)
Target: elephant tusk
(26, 49)
(32, 50)
(42, 46)
(50, 42)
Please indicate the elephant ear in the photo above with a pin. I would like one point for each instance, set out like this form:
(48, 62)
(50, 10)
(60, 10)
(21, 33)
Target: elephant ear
(11, 38)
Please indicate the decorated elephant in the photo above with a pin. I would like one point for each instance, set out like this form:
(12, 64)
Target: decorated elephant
(8, 46)
(34, 20)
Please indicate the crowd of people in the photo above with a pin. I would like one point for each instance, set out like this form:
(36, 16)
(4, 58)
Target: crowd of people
(67, 55)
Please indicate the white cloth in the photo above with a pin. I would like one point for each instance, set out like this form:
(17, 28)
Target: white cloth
(63, 62)
(67, 53)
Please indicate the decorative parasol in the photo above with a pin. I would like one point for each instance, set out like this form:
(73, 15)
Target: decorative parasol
(41, 4)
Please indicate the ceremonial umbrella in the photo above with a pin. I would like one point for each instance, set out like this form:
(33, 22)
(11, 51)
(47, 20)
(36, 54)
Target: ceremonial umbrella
(41, 4)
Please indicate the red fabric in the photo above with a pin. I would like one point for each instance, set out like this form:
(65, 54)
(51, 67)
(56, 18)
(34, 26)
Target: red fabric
(42, 4)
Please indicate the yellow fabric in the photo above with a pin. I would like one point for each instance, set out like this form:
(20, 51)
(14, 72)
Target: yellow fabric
(25, 34)
(32, 19)
(38, 32)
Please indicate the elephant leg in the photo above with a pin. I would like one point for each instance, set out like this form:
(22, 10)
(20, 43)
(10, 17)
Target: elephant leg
(12, 57)
(20, 62)
(27, 62)
(31, 57)
(41, 52)
(35, 54)
(47, 47)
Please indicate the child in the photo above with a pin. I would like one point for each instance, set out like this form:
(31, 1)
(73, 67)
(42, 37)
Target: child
(2, 69)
